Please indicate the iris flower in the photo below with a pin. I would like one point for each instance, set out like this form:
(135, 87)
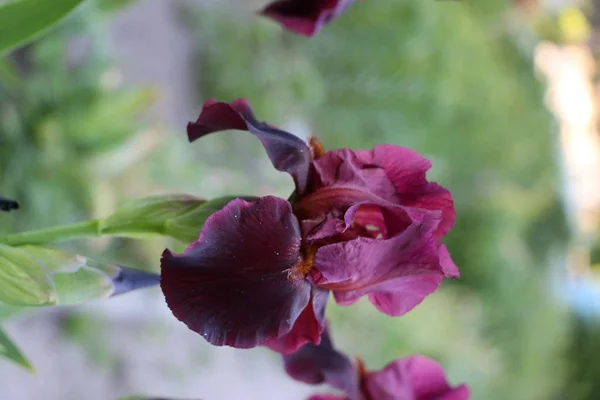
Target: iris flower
(359, 223)
(305, 17)
(410, 378)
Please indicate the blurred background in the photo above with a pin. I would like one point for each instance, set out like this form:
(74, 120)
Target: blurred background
(502, 96)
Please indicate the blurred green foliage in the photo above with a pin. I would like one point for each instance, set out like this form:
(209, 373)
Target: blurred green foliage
(61, 105)
(23, 20)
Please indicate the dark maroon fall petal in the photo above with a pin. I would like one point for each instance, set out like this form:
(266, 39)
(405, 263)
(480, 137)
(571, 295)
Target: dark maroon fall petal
(396, 273)
(324, 364)
(234, 284)
(305, 17)
(308, 327)
(287, 152)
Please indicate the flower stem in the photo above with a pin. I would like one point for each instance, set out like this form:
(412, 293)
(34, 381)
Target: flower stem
(54, 234)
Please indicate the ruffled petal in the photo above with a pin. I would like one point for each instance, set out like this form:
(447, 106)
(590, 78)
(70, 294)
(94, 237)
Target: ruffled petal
(427, 379)
(394, 173)
(397, 273)
(413, 378)
(407, 171)
(305, 17)
(308, 327)
(346, 168)
(287, 152)
(390, 383)
(323, 364)
(233, 286)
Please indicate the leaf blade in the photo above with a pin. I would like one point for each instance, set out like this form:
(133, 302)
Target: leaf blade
(24, 20)
(10, 351)
(77, 279)
(23, 279)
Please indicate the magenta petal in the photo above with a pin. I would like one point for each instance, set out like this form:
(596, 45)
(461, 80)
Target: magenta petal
(305, 17)
(390, 383)
(323, 364)
(308, 327)
(233, 285)
(413, 378)
(399, 296)
(407, 170)
(393, 173)
(428, 379)
(287, 152)
(397, 273)
(346, 168)
(450, 269)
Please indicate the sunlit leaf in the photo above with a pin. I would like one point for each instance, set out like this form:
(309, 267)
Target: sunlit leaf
(38, 276)
(24, 279)
(10, 351)
(178, 216)
(7, 311)
(78, 279)
(23, 20)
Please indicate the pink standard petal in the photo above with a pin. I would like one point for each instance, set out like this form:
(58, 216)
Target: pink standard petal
(393, 173)
(390, 383)
(413, 378)
(307, 328)
(397, 273)
(305, 17)
(326, 397)
(428, 380)
(287, 152)
(407, 170)
(344, 168)
(232, 286)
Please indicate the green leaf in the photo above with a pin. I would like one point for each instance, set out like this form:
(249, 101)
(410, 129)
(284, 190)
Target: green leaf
(38, 276)
(74, 281)
(10, 351)
(178, 216)
(23, 20)
(8, 311)
(24, 279)
(78, 279)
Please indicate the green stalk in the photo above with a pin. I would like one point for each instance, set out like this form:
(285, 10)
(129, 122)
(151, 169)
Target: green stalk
(54, 234)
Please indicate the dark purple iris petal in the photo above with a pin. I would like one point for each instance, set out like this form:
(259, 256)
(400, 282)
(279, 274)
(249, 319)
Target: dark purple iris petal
(287, 152)
(305, 17)
(308, 327)
(394, 173)
(417, 377)
(323, 364)
(396, 273)
(233, 285)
